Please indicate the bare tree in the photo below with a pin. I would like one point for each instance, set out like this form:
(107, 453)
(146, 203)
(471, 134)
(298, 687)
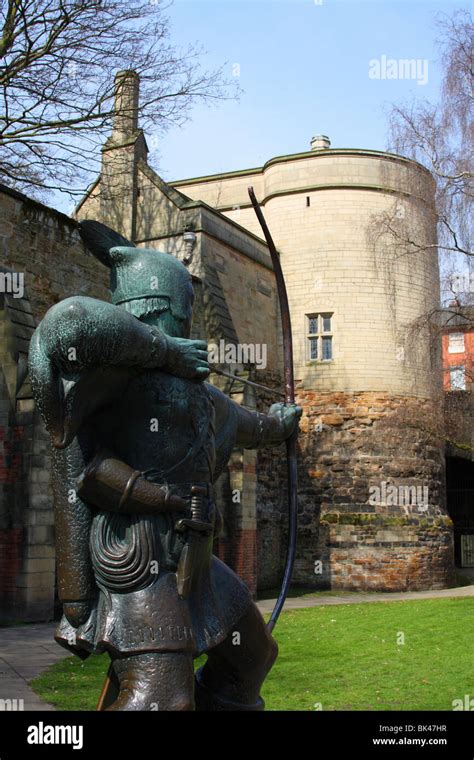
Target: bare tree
(57, 64)
(440, 136)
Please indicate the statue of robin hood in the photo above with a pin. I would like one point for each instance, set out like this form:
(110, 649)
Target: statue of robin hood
(138, 440)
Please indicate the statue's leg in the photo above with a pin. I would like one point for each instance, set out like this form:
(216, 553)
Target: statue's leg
(236, 669)
(110, 689)
(154, 681)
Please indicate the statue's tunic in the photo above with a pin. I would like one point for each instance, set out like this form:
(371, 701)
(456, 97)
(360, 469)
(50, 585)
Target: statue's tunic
(165, 426)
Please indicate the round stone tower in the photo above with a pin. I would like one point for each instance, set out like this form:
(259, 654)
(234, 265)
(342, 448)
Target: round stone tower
(356, 231)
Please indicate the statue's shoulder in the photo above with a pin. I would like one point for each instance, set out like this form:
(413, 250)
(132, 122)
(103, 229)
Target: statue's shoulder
(75, 308)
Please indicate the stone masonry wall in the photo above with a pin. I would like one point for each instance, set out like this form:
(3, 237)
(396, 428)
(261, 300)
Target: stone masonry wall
(45, 247)
(351, 443)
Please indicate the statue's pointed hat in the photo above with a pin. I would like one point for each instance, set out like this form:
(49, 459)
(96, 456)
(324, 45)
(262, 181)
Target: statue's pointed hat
(138, 273)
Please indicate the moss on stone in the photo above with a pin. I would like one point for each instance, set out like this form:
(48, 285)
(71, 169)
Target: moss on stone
(367, 519)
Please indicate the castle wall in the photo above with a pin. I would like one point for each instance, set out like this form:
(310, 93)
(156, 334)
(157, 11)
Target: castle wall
(371, 412)
(235, 301)
(45, 247)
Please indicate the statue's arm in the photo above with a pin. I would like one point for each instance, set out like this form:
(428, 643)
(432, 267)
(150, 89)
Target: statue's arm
(253, 430)
(112, 485)
(80, 331)
(256, 430)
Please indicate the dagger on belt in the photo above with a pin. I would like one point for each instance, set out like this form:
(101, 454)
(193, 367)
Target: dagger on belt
(194, 552)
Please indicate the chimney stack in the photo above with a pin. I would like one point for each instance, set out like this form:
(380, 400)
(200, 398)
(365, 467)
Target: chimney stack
(127, 89)
(320, 142)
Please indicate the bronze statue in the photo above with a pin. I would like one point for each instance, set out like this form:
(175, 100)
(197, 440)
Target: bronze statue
(138, 440)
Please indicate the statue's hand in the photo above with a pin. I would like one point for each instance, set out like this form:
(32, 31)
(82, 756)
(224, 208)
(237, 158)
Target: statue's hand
(288, 415)
(187, 358)
(77, 613)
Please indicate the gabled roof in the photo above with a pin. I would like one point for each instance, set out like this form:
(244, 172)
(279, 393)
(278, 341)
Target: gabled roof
(175, 196)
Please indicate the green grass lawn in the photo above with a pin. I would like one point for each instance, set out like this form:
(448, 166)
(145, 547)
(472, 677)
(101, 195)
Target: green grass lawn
(343, 657)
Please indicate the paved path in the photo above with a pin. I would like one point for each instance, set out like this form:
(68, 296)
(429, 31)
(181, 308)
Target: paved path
(27, 650)
(355, 598)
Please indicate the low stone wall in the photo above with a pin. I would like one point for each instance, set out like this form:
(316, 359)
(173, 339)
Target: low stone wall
(351, 535)
(385, 554)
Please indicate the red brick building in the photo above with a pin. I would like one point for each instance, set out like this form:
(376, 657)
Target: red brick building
(458, 348)
(458, 370)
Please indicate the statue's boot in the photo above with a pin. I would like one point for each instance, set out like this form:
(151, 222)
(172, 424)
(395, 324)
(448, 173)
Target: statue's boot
(207, 699)
(154, 681)
(235, 670)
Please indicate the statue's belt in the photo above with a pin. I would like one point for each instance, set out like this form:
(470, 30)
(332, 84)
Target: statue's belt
(200, 495)
(184, 490)
(200, 500)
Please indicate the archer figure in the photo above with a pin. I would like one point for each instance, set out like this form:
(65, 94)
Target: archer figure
(138, 441)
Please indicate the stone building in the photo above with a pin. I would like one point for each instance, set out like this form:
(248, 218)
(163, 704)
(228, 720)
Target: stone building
(372, 490)
(458, 366)
(366, 379)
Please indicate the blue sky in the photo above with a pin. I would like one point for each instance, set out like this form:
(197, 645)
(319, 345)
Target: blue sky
(304, 70)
